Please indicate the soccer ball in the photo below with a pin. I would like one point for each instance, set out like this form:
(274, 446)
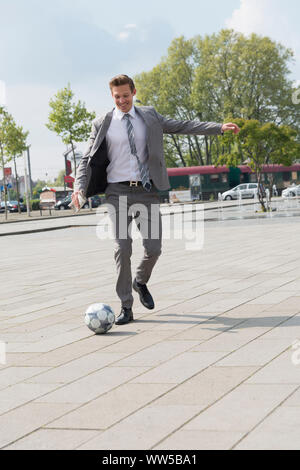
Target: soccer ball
(99, 318)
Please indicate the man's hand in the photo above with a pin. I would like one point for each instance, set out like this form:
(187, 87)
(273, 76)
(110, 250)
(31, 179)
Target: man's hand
(230, 126)
(75, 199)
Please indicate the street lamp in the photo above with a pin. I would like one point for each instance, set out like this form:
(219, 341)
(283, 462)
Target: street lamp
(29, 170)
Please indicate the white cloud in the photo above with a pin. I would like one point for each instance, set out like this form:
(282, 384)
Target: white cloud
(123, 35)
(129, 29)
(131, 26)
(273, 18)
(250, 16)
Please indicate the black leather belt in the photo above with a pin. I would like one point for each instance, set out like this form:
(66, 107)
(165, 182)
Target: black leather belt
(132, 183)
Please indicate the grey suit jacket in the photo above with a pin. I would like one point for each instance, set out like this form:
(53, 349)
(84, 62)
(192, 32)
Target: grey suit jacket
(91, 174)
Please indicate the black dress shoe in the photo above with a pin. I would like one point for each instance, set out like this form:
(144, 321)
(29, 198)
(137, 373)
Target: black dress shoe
(145, 296)
(125, 316)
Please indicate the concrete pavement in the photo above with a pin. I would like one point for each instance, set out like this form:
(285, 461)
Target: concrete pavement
(20, 223)
(215, 366)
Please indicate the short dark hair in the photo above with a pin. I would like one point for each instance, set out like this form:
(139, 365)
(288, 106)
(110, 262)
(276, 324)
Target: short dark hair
(122, 80)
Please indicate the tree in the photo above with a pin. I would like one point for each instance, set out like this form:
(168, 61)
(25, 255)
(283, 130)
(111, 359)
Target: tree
(211, 77)
(12, 144)
(168, 87)
(16, 144)
(38, 187)
(71, 121)
(259, 145)
(60, 180)
(246, 77)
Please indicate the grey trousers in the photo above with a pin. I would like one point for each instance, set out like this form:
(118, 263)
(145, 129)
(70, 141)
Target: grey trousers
(127, 204)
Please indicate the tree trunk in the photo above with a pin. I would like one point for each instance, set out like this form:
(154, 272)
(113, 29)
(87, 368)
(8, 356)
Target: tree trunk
(206, 148)
(177, 146)
(74, 158)
(199, 150)
(260, 193)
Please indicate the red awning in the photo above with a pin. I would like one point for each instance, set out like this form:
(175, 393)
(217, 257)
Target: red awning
(197, 170)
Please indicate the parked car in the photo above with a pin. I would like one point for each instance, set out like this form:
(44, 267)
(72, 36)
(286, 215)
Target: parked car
(96, 201)
(63, 204)
(292, 191)
(248, 190)
(12, 206)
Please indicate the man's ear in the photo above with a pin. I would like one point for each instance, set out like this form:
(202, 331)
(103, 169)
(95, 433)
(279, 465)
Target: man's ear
(134, 92)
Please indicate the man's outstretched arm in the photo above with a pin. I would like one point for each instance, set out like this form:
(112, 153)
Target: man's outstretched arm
(172, 126)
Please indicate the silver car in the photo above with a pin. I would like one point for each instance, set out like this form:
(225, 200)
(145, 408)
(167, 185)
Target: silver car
(292, 191)
(247, 191)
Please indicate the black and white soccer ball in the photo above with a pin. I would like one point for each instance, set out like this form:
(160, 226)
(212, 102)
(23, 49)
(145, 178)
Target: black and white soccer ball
(100, 318)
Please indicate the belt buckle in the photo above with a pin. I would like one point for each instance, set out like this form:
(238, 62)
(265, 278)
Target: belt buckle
(134, 183)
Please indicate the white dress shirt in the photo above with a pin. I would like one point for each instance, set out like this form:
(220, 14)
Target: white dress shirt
(123, 165)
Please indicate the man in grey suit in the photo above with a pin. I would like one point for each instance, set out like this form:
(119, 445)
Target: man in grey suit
(125, 160)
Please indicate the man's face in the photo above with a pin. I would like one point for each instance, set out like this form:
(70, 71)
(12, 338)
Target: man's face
(123, 97)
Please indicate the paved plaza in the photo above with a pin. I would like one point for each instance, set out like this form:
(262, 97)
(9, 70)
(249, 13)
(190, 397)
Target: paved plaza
(215, 366)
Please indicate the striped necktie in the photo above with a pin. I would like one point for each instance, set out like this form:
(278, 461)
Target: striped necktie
(143, 167)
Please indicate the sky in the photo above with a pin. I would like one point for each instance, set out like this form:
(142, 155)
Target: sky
(46, 45)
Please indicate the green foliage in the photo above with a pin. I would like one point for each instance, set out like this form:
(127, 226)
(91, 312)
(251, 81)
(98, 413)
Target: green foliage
(35, 204)
(71, 121)
(38, 187)
(243, 76)
(59, 181)
(210, 78)
(260, 144)
(12, 137)
(12, 143)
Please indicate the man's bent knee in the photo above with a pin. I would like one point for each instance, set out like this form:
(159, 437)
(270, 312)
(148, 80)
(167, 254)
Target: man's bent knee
(123, 248)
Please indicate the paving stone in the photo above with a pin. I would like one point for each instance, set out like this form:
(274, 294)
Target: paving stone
(241, 409)
(77, 368)
(207, 387)
(111, 407)
(136, 342)
(281, 370)
(200, 440)
(238, 306)
(143, 429)
(53, 439)
(259, 352)
(279, 431)
(28, 418)
(180, 368)
(294, 400)
(19, 394)
(93, 385)
(13, 375)
(158, 353)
